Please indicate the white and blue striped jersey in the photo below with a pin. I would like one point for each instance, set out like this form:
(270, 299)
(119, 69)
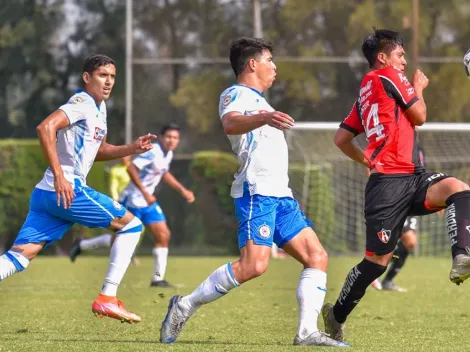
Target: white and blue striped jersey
(261, 153)
(152, 166)
(78, 144)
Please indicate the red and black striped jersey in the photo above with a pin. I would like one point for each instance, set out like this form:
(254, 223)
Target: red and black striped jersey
(379, 112)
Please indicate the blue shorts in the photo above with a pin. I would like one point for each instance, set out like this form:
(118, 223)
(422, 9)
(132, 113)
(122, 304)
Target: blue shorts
(46, 221)
(268, 219)
(149, 215)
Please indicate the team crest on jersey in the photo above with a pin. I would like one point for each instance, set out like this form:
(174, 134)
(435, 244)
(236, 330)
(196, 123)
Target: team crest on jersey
(117, 205)
(77, 100)
(264, 231)
(384, 235)
(227, 99)
(99, 134)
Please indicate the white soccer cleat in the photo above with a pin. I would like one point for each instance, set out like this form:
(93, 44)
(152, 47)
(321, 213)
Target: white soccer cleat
(376, 284)
(319, 339)
(174, 321)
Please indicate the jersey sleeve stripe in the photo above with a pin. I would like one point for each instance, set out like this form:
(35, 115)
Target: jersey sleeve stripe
(412, 101)
(396, 88)
(349, 128)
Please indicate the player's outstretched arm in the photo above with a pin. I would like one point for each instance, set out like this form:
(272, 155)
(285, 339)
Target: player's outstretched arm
(176, 185)
(344, 140)
(110, 152)
(47, 132)
(236, 123)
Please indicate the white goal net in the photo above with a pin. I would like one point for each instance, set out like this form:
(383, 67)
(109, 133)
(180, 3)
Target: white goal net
(330, 187)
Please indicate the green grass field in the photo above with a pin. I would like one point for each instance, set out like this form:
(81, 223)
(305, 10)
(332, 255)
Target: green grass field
(48, 308)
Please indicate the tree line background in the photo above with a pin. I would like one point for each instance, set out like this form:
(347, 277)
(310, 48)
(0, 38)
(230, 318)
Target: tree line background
(44, 43)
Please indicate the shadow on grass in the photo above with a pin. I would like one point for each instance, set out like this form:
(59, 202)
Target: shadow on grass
(12, 337)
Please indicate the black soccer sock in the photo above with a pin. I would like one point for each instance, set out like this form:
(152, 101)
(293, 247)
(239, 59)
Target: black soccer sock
(458, 218)
(398, 260)
(357, 281)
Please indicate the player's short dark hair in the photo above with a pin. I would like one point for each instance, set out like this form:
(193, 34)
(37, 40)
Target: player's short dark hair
(244, 49)
(94, 62)
(169, 127)
(381, 41)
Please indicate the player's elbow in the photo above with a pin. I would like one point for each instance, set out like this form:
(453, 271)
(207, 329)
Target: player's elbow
(43, 128)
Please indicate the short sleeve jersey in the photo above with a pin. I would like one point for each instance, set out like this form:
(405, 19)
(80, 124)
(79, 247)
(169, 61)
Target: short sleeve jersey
(379, 112)
(152, 165)
(262, 153)
(78, 144)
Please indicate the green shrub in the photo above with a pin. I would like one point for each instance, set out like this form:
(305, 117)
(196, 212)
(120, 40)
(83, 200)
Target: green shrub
(22, 165)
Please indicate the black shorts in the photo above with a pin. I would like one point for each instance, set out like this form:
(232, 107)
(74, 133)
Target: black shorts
(389, 200)
(411, 224)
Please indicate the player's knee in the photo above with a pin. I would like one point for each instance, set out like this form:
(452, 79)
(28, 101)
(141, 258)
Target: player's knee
(260, 267)
(255, 268)
(317, 258)
(133, 226)
(456, 185)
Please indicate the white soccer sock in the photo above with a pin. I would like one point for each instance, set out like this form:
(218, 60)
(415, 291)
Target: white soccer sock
(121, 253)
(215, 286)
(12, 262)
(96, 242)
(160, 258)
(310, 295)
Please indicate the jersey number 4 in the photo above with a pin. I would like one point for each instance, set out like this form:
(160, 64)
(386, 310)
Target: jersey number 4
(376, 127)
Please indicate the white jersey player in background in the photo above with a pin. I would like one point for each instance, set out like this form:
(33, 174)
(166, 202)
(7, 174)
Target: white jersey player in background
(72, 138)
(146, 171)
(264, 206)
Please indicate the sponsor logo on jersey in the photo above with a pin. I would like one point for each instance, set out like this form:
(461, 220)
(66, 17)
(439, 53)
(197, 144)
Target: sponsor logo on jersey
(264, 231)
(99, 134)
(410, 91)
(384, 235)
(403, 79)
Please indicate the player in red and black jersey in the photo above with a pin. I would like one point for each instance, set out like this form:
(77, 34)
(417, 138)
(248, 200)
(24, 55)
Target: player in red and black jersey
(387, 110)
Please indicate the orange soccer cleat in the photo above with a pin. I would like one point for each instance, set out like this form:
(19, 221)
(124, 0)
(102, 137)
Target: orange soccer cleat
(112, 307)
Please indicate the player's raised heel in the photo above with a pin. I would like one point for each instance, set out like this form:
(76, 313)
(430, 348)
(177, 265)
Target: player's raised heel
(174, 321)
(113, 308)
(460, 269)
(319, 339)
(332, 327)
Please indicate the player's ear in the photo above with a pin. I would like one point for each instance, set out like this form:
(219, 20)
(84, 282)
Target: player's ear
(252, 64)
(382, 58)
(86, 77)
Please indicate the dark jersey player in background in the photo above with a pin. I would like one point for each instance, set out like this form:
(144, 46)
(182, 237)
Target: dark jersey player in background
(387, 110)
(406, 244)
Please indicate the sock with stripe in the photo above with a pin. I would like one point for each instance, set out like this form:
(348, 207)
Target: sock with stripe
(11, 263)
(217, 285)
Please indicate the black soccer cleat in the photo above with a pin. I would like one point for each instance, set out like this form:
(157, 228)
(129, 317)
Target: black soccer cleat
(161, 283)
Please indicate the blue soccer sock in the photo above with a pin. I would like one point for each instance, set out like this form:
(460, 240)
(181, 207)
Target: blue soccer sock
(217, 285)
(12, 262)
